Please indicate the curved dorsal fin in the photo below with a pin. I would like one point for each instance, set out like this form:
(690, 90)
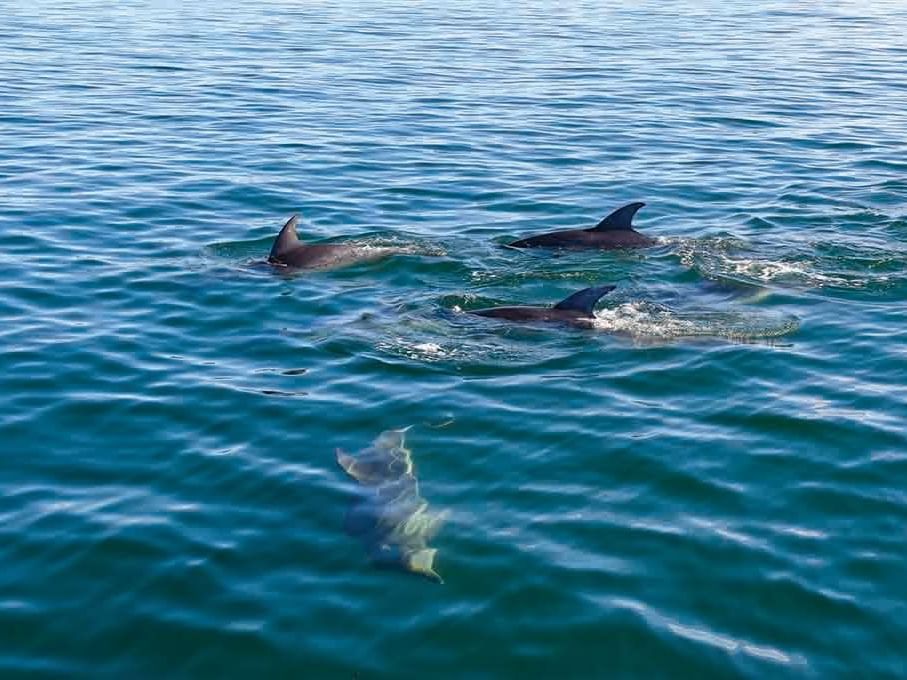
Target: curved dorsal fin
(584, 301)
(287, 239)
(622, 218)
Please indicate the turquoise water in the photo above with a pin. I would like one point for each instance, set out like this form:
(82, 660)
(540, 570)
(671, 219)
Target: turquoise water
(711, 483)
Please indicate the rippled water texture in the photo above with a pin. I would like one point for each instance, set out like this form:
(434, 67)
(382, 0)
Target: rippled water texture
(710, 483)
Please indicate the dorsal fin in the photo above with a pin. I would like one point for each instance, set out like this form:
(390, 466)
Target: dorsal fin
(622, 218)
(287, 239)
(584, 301)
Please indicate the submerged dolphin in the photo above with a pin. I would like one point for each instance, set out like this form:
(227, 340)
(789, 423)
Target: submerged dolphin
(389, 515)
(615, 231)
(289, 251)
(576, 310)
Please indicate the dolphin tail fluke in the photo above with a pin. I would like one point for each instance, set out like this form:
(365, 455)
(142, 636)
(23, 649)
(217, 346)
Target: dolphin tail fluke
(286, 240)
(422, 562)
(584, 301)
(620, 219)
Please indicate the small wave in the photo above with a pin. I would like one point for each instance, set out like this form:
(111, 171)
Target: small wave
(462, 351)
(419, 351)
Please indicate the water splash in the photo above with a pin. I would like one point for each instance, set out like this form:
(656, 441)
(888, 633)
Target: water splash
(798, 264)
(642, 319)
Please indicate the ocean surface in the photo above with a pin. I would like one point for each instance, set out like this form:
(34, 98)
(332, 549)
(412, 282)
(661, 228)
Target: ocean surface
(711, 483)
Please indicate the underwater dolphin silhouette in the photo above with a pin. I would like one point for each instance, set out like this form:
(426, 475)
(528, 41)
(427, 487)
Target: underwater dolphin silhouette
(389, 515)
(576, 310)
(289, 251)
(614, 231)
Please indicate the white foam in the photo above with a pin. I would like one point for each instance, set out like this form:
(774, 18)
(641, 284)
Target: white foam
(721, 257)
(429, 348)
(643, 319)
(769, 271)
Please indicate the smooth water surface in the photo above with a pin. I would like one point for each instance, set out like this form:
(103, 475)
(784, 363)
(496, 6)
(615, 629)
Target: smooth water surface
(711, 483)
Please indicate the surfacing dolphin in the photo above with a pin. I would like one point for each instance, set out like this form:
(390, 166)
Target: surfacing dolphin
(389, 515)
(289, 251)
(613, 232)
(576, 310)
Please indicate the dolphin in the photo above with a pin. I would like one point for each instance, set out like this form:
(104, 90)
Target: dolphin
(289, 251)
(576, 310)
(614, 231)
(389, 515)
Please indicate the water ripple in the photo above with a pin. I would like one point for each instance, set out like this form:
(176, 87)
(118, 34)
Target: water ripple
(707, 484)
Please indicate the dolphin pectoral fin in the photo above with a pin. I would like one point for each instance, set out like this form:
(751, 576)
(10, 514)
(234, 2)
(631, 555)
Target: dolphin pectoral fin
(286, 240)
(394, 443)
(348, 463)
(620, 219)
(411, 524)
(434, 522)
(422, 562)
(584, 301)
(365, 470)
